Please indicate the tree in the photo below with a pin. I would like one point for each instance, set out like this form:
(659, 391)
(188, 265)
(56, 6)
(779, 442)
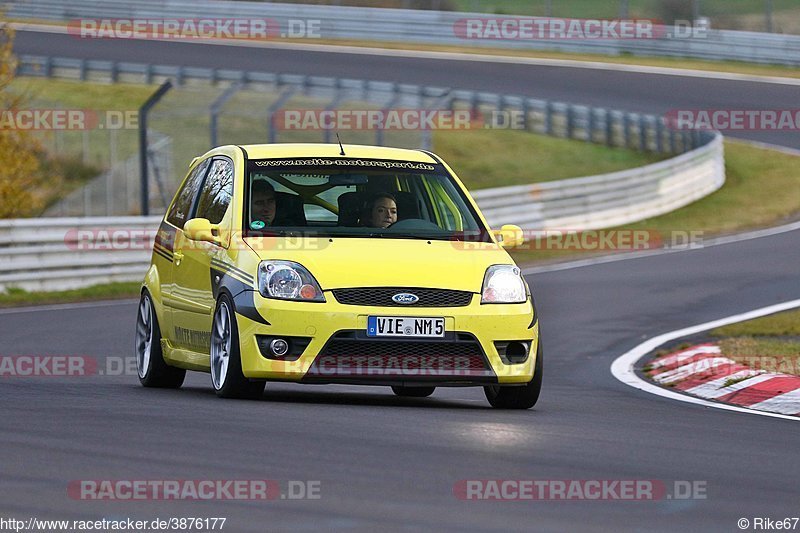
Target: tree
(20, 152)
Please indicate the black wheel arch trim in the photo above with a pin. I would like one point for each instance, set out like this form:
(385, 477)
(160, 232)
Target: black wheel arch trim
(242, 295)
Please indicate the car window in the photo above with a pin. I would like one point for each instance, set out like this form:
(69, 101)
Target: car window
(184, 199)
(383, 199)
(217, 191)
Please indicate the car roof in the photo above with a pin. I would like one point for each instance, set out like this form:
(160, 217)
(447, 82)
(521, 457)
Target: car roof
(355, 151)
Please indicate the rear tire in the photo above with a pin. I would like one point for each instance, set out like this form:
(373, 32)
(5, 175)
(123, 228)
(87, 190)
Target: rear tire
(150, 365)
(226, 361)
(515, 396)
(413, 392)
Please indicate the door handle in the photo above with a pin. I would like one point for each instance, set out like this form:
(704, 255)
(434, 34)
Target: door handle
(178, 258)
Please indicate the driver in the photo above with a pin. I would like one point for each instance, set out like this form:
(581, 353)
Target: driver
(264, 206)
(381, 211)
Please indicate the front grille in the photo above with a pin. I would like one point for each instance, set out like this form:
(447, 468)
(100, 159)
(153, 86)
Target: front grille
(382, 297)
(395, 348)
(347, 355)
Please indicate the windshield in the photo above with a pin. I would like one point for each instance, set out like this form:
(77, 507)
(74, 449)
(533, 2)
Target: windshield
(357, 198)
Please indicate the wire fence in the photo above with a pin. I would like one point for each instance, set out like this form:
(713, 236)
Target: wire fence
(216, 106)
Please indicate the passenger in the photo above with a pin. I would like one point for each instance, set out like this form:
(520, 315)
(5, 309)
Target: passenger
(263, 203)
(381, 211)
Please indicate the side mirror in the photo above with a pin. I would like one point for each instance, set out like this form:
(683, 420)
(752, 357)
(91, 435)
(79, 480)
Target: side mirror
(510, 236)
(200, 229)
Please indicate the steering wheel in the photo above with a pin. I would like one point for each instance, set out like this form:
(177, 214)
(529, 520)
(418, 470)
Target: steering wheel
(414, 224)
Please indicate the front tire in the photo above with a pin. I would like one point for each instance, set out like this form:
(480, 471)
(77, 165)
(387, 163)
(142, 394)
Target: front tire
(518, 397)
(150, 365)
(413, 392)
(226, 361)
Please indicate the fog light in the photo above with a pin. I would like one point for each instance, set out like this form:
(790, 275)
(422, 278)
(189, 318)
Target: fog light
(513, 352)
(278, 347)
(516, 352)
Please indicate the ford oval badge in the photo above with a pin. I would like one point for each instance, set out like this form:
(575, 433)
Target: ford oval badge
(405, 298)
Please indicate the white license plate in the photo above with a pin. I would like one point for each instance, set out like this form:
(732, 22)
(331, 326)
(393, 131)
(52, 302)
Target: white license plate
(399, 326)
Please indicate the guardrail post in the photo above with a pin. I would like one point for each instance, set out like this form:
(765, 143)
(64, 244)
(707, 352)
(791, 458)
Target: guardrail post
(570, 120)
(82, 70)
(48, 67)
(148, 74)
(591, 126)
(660, 135)
(548, 118)
(626, 129)
(215, 109)
(474, 107)
(609, 128)
(499, 118)
(684, 141)
(333, 104)
(673, 148)
(287, 93)
(642, 133)
(114, 72)
(526, 110)
(87, 201)
(143, 111)
(379, 132)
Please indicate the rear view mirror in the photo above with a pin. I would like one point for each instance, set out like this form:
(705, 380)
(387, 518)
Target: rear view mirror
(348, 179)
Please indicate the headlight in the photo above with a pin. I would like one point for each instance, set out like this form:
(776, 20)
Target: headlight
(287, 280)
(503, 284)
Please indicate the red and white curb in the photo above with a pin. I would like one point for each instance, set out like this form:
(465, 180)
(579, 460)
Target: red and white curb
(704, 371)
(624, 369)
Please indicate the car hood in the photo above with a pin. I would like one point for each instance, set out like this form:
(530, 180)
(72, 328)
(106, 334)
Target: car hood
(355, 262)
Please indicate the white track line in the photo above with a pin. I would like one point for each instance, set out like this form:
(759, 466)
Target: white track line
(739, 237)
(623, 367)
(454, 56)
(65, 307)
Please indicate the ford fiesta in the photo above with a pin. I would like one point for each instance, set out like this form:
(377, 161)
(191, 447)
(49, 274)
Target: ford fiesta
(316, 263)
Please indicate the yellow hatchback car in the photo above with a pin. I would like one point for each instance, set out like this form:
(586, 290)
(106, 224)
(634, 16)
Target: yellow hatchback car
(317, 263)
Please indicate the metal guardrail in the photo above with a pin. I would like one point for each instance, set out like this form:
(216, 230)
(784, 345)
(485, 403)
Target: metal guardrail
(422, 27)
(46, 254)
(58, 254)
(608, 200)
(65, 253)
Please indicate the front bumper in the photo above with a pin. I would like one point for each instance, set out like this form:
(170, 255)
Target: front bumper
(467, 356)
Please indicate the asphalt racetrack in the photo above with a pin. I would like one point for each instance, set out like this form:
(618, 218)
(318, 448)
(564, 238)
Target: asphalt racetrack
(391, 463)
